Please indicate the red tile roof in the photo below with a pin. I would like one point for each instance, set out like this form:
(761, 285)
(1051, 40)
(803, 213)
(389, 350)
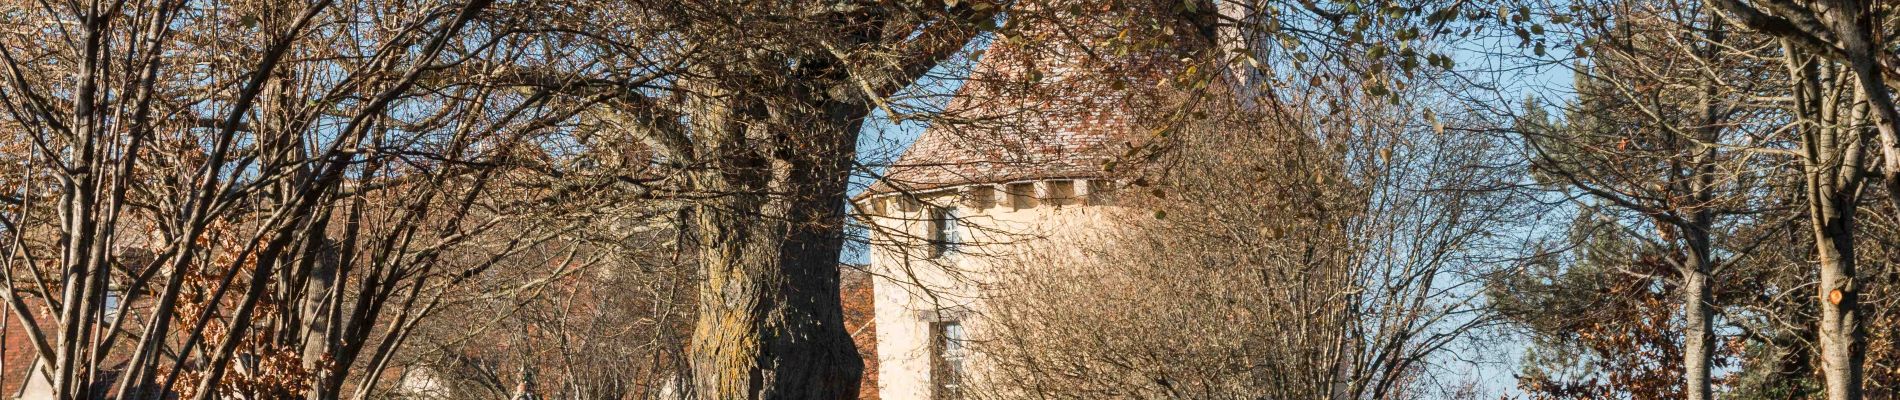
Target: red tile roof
(1048, 102)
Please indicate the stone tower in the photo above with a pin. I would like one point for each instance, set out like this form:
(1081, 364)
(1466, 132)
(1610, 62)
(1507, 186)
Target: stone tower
(1016, 170)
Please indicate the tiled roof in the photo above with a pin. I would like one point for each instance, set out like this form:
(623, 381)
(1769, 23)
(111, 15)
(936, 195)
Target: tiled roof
(1037, 105)
(1069, 138)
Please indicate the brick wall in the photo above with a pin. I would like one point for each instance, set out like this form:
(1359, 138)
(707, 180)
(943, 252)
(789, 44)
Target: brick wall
(859, 319)
(18, 355)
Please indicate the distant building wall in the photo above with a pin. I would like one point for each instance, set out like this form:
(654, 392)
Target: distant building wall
(18, 359)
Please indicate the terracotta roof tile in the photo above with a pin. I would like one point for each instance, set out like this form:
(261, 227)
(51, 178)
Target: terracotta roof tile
(1036, 106)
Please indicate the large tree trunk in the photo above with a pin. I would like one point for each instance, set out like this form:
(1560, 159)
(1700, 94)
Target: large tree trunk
(770, 323)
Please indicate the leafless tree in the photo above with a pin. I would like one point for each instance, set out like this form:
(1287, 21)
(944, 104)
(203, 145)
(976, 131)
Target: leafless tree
(1832, 46)
(1665, 139)
(1283, 252)
(271, 195)
(760, 116)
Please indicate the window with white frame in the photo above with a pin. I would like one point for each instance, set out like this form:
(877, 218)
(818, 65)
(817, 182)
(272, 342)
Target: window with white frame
(947, 354)
(943, 236)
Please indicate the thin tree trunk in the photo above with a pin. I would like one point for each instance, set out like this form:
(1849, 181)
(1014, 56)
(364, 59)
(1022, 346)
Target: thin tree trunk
(315, 316)
(1833, 199)
(1832, 165)
(1842, 350)
(1853, 23)
(1698, 341)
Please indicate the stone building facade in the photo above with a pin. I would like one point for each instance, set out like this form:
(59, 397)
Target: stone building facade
(1018, 170)
(942, 252)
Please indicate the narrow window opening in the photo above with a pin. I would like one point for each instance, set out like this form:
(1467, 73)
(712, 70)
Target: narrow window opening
(1101, 192)
(980, 197)
(948, 352)
(907, 204)
(943, 231)
(1061, 193)
(112, 304)
(1022, 195)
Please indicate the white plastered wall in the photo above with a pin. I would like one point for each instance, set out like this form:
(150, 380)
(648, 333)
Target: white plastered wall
(913, 289)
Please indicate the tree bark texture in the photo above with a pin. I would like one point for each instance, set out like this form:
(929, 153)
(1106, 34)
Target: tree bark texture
(1843, 348)
(1698, 341)
(770, 324)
